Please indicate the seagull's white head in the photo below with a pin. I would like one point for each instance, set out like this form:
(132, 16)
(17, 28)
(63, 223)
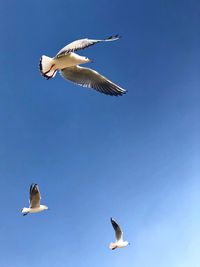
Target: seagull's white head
(126, 243)
(87, 59)
(44, 207)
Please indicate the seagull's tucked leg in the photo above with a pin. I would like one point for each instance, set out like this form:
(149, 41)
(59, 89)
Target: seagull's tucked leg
(46, 67)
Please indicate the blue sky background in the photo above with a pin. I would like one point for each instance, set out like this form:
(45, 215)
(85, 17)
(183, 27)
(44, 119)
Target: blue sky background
(135, 157)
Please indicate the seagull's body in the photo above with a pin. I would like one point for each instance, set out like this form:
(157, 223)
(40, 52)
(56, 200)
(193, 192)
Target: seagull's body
(25, 211)
(119, 243)
(34, 201)
(67, 62)
(60, 63)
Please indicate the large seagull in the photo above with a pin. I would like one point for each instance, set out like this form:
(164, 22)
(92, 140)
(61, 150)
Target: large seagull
(119, 243)
(34, 201)
(67, 62)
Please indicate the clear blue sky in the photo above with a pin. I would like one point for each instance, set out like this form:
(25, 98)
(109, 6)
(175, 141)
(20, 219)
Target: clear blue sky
(135, 157)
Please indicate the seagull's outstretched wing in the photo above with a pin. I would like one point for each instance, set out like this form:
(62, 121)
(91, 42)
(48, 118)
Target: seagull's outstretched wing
(34, 196)
(83, 43)
(90, 78)
(118, 231)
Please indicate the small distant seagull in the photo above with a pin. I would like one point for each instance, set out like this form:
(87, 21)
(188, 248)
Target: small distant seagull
(119, 243)
(67, 62)
(34, 201)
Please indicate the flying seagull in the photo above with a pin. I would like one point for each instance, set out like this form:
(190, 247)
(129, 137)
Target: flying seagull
(34, 201)
(119, 243)
(67, 62)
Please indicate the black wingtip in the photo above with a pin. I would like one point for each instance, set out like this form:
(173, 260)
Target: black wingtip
(33, 185)
(123, 92)
(118, 36)
(113, 37)
(119, 92)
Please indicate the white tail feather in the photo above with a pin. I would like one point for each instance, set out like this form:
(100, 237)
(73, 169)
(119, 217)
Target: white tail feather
(45, 67)
(112, 246)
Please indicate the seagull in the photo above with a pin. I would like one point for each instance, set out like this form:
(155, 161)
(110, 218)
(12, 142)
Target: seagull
(119, 243)
(34, 201)
(67, 62)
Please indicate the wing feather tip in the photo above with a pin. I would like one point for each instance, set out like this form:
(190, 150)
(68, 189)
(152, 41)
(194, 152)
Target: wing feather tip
(113, 37)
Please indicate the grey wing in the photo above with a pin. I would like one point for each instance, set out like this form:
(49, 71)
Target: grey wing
(118, 231)
(34, 196)
(83, 43)
(90, 78)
